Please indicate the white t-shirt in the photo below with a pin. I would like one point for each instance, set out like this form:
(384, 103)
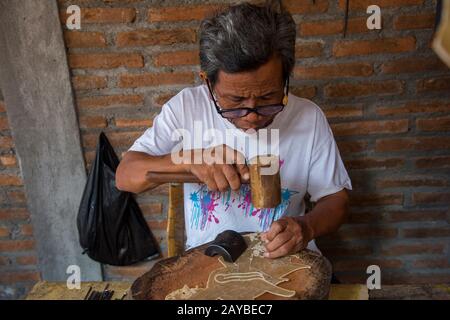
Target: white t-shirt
(309, 162)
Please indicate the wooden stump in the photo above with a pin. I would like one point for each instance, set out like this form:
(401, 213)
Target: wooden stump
(193, 269)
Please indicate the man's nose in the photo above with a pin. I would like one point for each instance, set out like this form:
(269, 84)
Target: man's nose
(252, 116)
(251, 103)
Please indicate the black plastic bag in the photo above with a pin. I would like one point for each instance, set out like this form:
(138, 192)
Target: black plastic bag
(111, 227)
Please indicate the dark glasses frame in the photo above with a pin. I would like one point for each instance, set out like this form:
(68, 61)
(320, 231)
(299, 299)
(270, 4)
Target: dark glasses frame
(246, 111)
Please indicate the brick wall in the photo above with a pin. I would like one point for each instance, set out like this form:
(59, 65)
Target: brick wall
(18, 259)
(384, 92)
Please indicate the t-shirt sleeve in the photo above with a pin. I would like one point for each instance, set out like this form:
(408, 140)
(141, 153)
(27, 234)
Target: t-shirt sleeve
(327, 173)
(160, 139)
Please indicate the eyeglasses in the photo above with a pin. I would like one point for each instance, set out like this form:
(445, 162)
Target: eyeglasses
(267, 110)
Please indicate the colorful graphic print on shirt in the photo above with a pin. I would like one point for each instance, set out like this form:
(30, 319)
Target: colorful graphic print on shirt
(205, 203)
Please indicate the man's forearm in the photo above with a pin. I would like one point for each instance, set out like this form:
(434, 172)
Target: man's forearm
(132, 170)
(328, 214)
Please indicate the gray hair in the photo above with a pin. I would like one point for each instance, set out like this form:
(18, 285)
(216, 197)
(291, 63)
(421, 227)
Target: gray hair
(245, 36)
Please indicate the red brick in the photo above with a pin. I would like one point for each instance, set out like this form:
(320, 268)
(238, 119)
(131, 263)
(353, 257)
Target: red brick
(4, 261)
(87, 122)
(76, 39)
(19, 276)
(412, 144)
(412, 181)
(4, 232)
(361, 265)
(434, 124)
(412, 248)
(177, 58)
(10, 180)
(105, 60)
(415, 107)
(364, 47)
(128, 122)
(343, 111)
(159, 225)
(410, 65)
(415, 21)
(26, 230)
(308, 49)
(376, 199)
(302, 7)
(27, 260)
(151, 208)
(16, 245)
(352, 146)
(369, 127)
(431, 197)
(89, 157)
(89, 82)
(155, 79)
(360, 181)
(433, 232)
(365, 232)
(182, 13)
(8, 160)
(111, 101)
(431, 263)
(346, 252)
(434, 84)
(14, 214)
(160, 99)
(387, 87)
(16, 196)
(117, 139)
(103, 15)
(4, 123)
(5, 141)
(307, 92)
(144, 37)
(433, 162)
(373, 163)
(365, 217)
(328, 27)
(363, 4)
(356, 69)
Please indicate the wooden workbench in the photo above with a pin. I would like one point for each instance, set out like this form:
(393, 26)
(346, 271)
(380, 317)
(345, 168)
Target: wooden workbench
(58, 291)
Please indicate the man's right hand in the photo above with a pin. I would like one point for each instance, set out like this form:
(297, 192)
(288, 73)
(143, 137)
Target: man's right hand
(219, 168)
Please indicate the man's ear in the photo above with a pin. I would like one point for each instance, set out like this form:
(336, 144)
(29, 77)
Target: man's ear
(203, 75)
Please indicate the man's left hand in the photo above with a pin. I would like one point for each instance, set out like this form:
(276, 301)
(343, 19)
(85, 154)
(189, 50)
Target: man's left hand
(286, 236)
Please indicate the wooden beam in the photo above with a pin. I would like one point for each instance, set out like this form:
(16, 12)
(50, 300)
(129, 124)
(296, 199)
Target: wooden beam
(36, 86)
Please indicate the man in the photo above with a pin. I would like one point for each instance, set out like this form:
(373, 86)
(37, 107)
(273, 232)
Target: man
(247, 54)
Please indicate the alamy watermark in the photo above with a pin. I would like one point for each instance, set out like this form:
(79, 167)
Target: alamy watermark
(73, 21)
(374, 280)
(74, 278)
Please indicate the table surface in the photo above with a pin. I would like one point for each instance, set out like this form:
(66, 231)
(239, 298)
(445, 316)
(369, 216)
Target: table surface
(58, 291)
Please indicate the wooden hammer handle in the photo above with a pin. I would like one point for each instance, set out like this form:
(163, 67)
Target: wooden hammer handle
(166, 177)
(179, 177)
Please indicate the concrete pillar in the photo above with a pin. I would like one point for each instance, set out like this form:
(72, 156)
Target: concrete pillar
(35, 80)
